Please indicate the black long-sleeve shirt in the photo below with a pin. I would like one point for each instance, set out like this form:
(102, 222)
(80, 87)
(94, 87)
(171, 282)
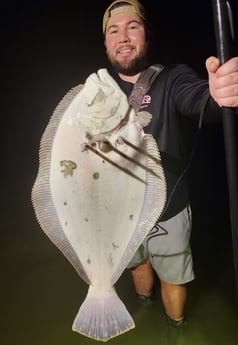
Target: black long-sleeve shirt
(176, 93)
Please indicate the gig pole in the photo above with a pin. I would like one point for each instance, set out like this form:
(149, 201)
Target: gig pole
(225, 42)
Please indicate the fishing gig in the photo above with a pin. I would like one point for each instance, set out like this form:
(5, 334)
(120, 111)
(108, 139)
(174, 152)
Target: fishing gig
(99, 190)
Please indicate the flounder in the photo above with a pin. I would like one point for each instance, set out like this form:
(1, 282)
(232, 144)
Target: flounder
(100, 189)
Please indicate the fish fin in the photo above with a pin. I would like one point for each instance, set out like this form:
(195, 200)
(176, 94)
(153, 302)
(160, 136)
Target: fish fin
(144, 118)
(102, 317)
(41, 195)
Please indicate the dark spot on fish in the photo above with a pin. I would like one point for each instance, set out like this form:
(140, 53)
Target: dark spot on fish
(88, 136)
(114, 245)
(96, 175)
(68, 167)
(86, 219)
(88, 260)
(65, 203)
(131, 217)
(104, 146)
(66, 223)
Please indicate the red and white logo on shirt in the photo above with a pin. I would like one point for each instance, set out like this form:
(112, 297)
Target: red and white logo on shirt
(146, 101)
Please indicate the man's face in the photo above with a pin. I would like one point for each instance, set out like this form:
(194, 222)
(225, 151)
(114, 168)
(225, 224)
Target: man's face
(125, 41)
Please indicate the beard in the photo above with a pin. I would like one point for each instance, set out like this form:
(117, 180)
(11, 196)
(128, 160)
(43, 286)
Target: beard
(131, 67)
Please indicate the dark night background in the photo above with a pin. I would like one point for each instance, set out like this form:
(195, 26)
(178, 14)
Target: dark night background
(48, 47)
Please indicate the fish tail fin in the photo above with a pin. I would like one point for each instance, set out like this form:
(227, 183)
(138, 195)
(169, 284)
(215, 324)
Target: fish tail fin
(102, 317)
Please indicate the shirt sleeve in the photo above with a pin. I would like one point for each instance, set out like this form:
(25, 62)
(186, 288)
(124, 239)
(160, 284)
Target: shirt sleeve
(191, 95)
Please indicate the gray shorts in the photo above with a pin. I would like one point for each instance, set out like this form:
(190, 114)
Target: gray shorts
(168, 246)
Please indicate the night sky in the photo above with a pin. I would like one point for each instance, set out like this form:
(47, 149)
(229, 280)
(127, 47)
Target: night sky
(48, 47)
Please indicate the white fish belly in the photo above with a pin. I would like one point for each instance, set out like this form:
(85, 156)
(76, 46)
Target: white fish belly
(89, 205)
(98, 205)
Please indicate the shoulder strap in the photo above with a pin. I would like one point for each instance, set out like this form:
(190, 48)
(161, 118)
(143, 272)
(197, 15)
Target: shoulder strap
(143, 84)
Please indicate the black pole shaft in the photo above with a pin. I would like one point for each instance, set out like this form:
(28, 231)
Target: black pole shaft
(225, 43)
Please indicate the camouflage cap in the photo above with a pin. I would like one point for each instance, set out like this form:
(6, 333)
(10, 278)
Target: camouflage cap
(126, 6)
